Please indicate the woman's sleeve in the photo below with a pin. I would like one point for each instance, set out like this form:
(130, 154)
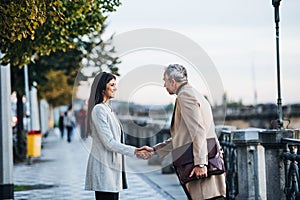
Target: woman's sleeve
(104, 133)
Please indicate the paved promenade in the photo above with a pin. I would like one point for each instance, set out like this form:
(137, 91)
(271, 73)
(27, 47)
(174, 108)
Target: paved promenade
(60, 174)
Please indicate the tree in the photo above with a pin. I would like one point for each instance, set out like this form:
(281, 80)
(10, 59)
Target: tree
(101, 56)
(39, 27)
(98, 55)
(55, 88)
(34, 28)
(66, 65)
(20, 19)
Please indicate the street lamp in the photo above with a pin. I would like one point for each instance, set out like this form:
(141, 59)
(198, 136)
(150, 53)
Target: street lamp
(6, 144)
(276, 4)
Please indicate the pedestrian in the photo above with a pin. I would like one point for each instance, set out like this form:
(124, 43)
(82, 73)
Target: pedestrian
(81, 119)
(106, 169)
(61, 125)
(70, 123)
(192, 122)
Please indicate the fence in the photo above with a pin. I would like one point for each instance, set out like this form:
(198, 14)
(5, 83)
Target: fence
(291, 159)
(260, 163)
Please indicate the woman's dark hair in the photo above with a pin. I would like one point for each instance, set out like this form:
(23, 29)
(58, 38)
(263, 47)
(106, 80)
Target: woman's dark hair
(70, 107)
(96, 96)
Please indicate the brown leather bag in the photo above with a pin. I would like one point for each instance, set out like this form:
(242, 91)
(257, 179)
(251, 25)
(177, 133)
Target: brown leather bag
(183, 161)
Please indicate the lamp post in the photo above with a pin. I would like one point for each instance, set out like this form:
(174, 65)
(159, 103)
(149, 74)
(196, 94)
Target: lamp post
(276, 4)
(6, 146)
(28, 103)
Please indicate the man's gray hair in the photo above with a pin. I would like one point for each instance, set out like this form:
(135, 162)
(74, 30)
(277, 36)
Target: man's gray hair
(176, 72)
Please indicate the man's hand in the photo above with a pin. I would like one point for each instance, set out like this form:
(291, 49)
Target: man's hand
(144, 152)
(200, 172)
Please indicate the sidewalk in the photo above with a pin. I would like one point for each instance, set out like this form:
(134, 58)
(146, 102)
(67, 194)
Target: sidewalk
(60, 174)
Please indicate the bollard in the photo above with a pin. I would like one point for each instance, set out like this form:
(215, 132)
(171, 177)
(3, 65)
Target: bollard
(271, 141)
(251, 165)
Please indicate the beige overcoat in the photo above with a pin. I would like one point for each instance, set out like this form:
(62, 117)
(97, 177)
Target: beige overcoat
(193, 122)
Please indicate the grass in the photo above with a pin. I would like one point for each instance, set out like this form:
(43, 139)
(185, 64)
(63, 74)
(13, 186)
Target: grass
(18, 188)
(22, 187)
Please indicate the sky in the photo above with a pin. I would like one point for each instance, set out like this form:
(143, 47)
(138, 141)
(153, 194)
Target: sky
(238, 36)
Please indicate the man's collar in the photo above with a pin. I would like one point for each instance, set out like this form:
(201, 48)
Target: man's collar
(180, 86)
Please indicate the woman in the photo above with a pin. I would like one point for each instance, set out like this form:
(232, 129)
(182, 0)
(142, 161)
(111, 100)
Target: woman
(105, 171)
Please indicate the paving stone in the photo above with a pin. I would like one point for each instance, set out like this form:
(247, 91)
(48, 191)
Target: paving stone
(60, 174)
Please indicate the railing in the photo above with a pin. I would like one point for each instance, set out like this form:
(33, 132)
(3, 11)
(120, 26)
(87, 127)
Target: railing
(291, 160)
(230, 157)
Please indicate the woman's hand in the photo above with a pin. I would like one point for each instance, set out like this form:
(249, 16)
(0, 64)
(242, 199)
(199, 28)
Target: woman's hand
(144, 152)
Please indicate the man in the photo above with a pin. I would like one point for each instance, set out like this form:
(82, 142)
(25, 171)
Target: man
(61, 124)
(192, 122)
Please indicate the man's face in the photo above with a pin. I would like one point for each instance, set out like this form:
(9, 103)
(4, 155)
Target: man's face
(169, 84)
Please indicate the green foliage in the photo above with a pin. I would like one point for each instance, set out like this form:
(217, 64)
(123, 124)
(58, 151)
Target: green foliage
(32, 30)
(39, 27)
(69, 62)
(20, 19)
(18, 188)
(56, 90)
(47, 35)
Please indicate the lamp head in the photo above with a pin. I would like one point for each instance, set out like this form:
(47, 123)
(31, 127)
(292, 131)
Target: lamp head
(276, 2)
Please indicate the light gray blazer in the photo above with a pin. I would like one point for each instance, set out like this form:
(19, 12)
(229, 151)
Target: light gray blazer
(104, 168)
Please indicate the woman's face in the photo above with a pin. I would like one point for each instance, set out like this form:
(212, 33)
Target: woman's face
(110, 89)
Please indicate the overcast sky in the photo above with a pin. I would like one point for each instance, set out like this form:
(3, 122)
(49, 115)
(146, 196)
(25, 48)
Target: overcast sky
(238, 36)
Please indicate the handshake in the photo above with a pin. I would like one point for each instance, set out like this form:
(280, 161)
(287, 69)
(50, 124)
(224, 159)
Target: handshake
(144, 152)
